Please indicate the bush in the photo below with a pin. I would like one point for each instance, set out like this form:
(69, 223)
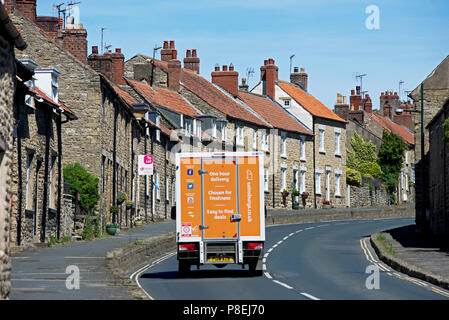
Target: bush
(370, 170)
(353, 177)
(85, 183)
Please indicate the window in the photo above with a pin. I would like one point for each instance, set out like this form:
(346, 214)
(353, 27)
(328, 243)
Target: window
(321, 139)
(198, 129)
(239, 135)
(188, 127)
(406, 158)
(337, 142)
(284, 145)
(264, 140)
(157, 182)
(302, 148)
(337, 183)
(287, 103)
(167, 193)
(158, 132)
(51, 184)
(265, 179)
(302, 180)
(295, 179)
(406, 181)
(254, 139)
(28, 198)
(103, 159)
(318, 182)
(283, 181)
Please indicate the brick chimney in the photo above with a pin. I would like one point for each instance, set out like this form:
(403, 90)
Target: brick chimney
(269, 76)
(227, 79)
(191, 61)
(341, 108)
(403, 118)
(118, 66)
(168, 51)
(174, 72)
(100, 63)
(50, 25)
(75, 42)
(25, 7)
(368, 107)
(355, 100)
(244, 86)
(300, 77)
(387, 110)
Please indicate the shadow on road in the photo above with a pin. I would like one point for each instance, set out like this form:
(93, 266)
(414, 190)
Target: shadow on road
(199, 274)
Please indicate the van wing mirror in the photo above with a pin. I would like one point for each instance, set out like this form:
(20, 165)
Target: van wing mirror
(173, 213)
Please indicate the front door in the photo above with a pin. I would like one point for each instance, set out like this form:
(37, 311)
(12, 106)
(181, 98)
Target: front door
(220, 211)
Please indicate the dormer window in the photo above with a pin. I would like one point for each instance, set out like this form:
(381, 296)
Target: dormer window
(47, 81)
(188, 126)
(287, 103)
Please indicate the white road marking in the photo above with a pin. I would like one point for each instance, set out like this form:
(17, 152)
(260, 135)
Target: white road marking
(309, 296)
(268, 275)
(310, 228)
(264, 260)
(291, 234)
(285, 238)
(266, 254)
(283, 284)
(269, 250)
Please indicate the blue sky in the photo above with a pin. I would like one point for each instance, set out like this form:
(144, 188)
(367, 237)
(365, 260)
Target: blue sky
(329, 38)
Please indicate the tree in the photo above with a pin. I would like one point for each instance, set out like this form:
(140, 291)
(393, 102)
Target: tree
(84, 182)
(391, 157)
(361, 161)
(362, 152)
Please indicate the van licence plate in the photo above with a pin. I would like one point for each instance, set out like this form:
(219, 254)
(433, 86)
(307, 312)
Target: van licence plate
(221, 259)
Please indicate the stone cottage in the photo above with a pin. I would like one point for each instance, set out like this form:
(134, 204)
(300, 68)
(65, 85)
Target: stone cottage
(328, 129)
(10, 38)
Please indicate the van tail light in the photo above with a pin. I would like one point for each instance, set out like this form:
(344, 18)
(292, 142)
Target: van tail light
(187, 247)
(254, 245)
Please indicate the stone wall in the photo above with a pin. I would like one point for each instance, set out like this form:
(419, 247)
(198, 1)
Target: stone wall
(362, 197)
(7, 86)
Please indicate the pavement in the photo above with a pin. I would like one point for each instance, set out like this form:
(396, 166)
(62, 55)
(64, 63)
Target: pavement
(42, 273)
(414, 253)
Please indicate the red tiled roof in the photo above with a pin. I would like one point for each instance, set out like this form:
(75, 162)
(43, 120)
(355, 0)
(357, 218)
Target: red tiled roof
(309, 102)
(398, 129)
(49, 100)
(272, 113)
(217, 99)
(124, 95)
(213, 96)
(164, 97)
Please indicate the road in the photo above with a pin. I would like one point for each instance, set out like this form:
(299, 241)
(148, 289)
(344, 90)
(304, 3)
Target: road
(313, 261)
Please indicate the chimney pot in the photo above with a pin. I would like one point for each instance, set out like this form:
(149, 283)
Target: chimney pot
(352, 92)
(94, 49)
(165, 44)
(295, 69)
(265, 62)
(338, 98)
(344, 99)
(225, 68)
(188, 53)
(118, 50)
(174, 54)
(270, 61)
(303, 70)
(231, 68)
(217, 68)
(358, 90)
(194, 53)
(172, 44)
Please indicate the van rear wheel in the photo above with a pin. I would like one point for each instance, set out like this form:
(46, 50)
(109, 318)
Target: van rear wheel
(183, 268)
(253, 269)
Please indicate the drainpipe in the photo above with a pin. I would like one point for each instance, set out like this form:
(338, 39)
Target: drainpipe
(146, 184)
(114, 160)
(20, 183)
(60, 173)
(423, 174)
(46, 167)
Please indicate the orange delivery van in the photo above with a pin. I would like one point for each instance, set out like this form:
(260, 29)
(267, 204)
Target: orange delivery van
(220, 210)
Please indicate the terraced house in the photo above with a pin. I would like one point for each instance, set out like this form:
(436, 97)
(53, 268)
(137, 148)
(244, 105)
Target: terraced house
(329, 131)
(110, 131)
(10, 38)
